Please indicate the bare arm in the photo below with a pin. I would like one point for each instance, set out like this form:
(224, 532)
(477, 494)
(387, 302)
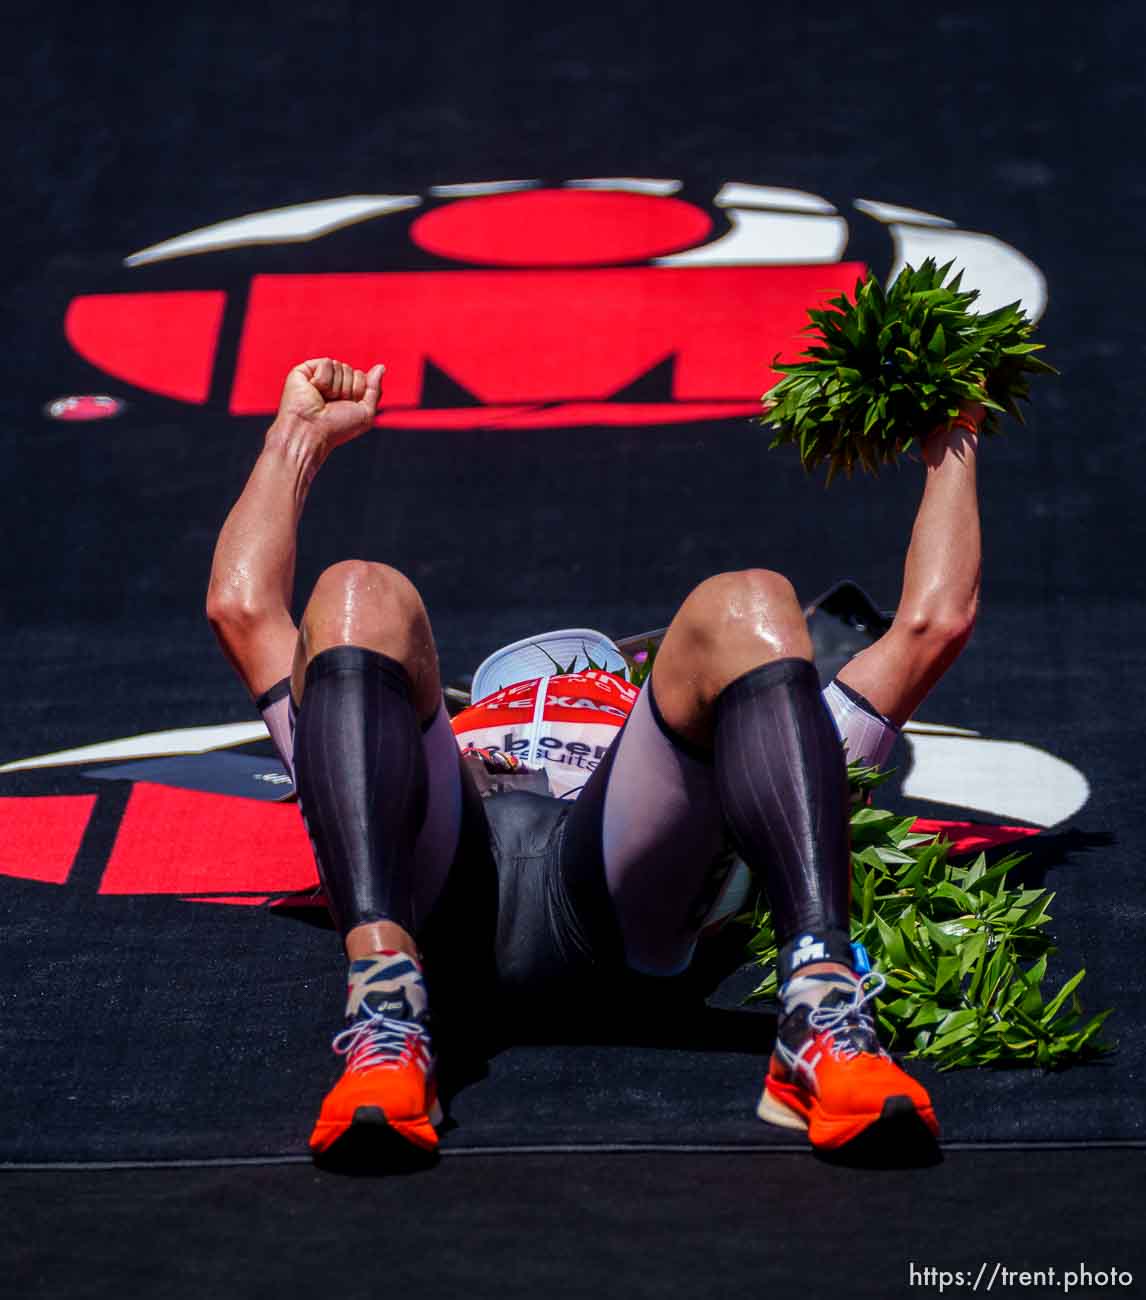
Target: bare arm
(940, 595)
(324, 404)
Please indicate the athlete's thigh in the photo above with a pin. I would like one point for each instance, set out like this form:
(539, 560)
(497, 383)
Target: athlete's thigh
(645, 835)
(437, 845)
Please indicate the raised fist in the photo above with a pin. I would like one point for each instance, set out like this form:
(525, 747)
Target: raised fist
(332, 397)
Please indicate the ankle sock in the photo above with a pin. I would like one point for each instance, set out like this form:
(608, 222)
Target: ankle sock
(389, 984)
(810, 990)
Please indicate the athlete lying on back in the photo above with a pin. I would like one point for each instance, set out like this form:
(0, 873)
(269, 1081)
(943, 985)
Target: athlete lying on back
(561, 897)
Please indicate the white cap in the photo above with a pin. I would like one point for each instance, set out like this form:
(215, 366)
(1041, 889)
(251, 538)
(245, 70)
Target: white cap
(544, 655)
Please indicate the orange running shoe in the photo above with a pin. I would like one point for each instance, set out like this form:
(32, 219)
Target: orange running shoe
(829, 1075)
(389, 1075)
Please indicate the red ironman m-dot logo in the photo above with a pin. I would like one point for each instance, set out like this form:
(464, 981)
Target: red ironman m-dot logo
(162, 342)
(560, 228)
(549, 309)
(521, 341)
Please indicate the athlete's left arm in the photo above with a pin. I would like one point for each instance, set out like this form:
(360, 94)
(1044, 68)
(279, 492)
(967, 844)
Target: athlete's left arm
(940, 595)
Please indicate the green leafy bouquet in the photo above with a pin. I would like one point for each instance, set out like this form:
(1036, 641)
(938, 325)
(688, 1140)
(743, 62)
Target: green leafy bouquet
(964, 951)
(895, 363)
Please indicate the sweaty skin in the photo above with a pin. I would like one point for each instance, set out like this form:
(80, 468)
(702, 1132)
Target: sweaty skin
(726, 626)
(714, 638)
(729, 624)
(325, 403)
(720, 633)
(940, 597)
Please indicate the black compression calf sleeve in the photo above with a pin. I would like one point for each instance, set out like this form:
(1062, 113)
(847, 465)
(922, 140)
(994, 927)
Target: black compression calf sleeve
(782, 781)
(361, 775)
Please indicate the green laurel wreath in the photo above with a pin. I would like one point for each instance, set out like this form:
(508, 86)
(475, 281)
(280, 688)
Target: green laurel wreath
(963, 949)
(891, 364)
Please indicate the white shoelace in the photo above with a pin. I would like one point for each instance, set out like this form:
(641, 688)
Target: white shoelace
(834, 1020)
(376, 1040)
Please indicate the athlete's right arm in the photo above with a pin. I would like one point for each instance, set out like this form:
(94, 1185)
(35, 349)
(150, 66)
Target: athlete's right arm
(940, 596)
(324, 404)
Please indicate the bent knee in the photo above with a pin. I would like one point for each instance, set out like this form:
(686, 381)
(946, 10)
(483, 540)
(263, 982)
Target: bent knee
(366, 582)
(741, 603)
(374, 606)
(359, 602)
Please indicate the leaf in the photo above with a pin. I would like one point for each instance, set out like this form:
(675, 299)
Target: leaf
(964, 954)
(993, 973)
(883, 367)
(972, 952)
(947, 968)
(975, 871)
(1052, 1008)
(946, 943)
(962, 900)
(946, 1037)
(927, 1013)
(867, 898)
(891, 942)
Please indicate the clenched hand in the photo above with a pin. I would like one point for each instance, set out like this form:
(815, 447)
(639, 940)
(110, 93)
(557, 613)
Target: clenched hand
(331, 398)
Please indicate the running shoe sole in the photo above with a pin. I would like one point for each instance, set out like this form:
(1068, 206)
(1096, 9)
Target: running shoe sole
(830, 1131)
(419, 1133)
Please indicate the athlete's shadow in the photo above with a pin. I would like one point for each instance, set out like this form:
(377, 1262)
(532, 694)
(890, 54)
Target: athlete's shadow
(700, 1011)
(705, 1010)
(1041, 853)
(685, 1026)
(375, 1151)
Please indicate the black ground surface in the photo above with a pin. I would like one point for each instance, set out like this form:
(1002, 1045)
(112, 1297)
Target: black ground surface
(585, 1225)
(148, 1028)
